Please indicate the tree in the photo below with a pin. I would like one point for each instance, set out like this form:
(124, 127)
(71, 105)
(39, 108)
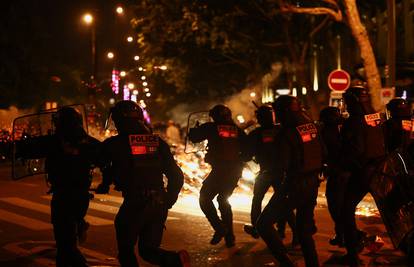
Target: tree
(238, 41)
(332, 9)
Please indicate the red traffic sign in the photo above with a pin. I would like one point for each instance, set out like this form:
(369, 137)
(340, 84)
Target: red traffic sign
(339, 80)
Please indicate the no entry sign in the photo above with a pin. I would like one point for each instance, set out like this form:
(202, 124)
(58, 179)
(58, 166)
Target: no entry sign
(339, 80)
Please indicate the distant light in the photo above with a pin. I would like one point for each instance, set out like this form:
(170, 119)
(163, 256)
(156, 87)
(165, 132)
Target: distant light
(404, 95)
(240, 118)
(148, 94)
(135, 92)
(143, 78)
(146, 90)
(126, 93)
(134, 98)
(283, 91)
(252, 94)
(140, 69)
(120, 10)
(144, 84)
(294, 92)
(110, 55)
(130, 39)
(122, 73)
(142, 104)
(136, 58)
(163, 67)
(112, 101)
(131, 86)
(88, 18)
(304, 91)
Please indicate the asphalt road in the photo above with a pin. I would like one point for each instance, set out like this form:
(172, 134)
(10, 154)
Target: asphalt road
(26, 233)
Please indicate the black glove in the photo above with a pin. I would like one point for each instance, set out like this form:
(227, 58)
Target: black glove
(102, 189)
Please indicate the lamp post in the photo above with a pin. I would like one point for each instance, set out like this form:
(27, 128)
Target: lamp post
(88, 19)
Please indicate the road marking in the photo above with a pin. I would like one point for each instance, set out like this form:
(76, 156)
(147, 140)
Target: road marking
(46, 209)
(24, 221)
(39, 247)
(111, 209)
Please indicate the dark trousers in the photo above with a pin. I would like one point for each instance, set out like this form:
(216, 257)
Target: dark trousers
(358, 187)
(261, 185)
(143, 222)
(335, 196)
(221, 182)
(300, 196)
(68, 212)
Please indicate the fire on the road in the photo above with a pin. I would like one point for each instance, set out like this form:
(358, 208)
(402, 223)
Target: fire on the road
(196, 170)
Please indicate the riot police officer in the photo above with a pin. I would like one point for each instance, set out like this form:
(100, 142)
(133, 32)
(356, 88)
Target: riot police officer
(135, 161)
(398, 127)
(331, 123)
(299, 157)
(362, 151)
(225, 155)
(70, 156)
(260, 146)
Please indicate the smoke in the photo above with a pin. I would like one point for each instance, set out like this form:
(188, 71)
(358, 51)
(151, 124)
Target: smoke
(8, 115)
(241, 103)
(179, 114)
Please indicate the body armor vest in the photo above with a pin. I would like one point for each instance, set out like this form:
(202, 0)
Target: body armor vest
(373, 137)
(312, 151)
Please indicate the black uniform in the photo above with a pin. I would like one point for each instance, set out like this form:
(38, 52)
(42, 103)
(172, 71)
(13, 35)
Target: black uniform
(337, 179)
(224, 155)
(398, 129)
(261, 146)
(70, 156)
(362, 151)
(135, 161)
(299, 157)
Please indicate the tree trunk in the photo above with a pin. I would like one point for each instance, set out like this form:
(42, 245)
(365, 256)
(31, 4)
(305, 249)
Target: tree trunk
(367, 54)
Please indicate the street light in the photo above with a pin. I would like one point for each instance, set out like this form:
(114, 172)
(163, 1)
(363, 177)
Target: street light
(123, 73)
(130, 39)
(136, 58)
(110, 55)
(146, 90)
(148, 94)
(87, 18)
(144, 84)
(143, 78)
(131, 86)
(120, 10)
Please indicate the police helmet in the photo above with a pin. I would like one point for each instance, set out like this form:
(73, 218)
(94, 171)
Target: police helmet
(286, 103)
(220, 113)
(68, 118)
(264, 115)
(399, 107)
(330, 115)
(357, 93)
(126, 109)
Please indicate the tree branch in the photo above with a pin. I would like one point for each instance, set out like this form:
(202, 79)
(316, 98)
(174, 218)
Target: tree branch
(334, 12)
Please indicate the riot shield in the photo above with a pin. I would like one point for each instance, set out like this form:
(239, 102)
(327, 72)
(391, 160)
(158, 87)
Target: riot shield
(392, 188)
(29, 127)
(195, 119)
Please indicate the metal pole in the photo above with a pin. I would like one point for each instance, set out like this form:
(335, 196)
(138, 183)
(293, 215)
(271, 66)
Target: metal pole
(338, 57)
(93, 45)
(390, 82)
